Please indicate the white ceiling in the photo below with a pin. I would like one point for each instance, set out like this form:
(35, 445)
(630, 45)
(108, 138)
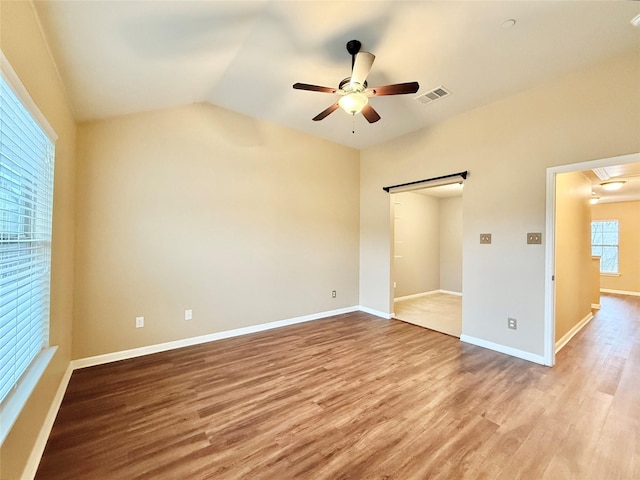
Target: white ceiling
(121, 57)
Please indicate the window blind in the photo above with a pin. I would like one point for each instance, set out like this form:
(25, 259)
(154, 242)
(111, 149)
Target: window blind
(604, 243)
(26, 188)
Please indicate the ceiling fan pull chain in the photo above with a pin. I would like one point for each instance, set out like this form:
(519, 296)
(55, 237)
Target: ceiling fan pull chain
(353, 125)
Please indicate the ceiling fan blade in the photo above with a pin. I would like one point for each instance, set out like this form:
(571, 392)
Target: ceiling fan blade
(361, 67)
(370, 114)
(326, 112)
(396, 89)
(313, 88)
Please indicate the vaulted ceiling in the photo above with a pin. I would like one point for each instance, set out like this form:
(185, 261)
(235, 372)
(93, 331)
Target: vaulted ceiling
(122, 57)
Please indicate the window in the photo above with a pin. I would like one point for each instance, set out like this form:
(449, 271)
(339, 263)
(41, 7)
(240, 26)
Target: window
(26, 187)
(604, 243)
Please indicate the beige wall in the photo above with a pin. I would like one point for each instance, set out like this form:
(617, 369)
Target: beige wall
(628, 214)
(507, 147)
(200, 208)
(573, 251)
(25, 49)
(451, 244)
(416, 243)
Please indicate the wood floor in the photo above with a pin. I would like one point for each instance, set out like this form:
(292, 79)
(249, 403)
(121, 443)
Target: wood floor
(357, 397)
(441, 312)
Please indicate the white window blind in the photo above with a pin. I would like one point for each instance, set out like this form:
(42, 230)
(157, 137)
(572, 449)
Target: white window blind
(26, 188)
(604, 243)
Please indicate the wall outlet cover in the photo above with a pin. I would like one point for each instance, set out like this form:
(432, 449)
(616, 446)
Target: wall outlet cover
(534, 238)
(485, 238)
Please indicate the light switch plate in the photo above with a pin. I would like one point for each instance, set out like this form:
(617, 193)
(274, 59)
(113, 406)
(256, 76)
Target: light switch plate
(485, 238)
(534, 238)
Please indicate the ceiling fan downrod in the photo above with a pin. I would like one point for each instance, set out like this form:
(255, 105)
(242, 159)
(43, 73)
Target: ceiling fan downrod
(353, 47)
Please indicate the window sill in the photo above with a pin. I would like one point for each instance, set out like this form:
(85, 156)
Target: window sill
(609, 274)
(13, 404)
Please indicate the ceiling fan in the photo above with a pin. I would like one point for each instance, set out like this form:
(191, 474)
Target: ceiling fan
(354, 91)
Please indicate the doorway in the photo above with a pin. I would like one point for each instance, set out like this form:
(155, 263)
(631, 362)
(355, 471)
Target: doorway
(427, 257)
(551, 241)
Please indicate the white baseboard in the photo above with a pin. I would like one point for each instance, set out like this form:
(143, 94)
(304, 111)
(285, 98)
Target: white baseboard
(596, 306)
(620, 292)
(576, 328)
(187, 342)
(41, 441)
(416, 295)
(424, 294)
(377, 313)
(450, 292)
(514, 352)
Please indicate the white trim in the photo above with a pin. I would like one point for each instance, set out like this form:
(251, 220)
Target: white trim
(514, 352)
(570, 334)
(41, 442)
(377, 313)
(610, 274)
(620, 292)
(549, 272)
(596, 306)
(591, 164)
(451, 292)
(416, 295)
(13, 404)
(21, 92)
(186, 342)
(549, 291)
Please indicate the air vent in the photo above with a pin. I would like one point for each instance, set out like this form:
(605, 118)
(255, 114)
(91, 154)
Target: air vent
(433, 95)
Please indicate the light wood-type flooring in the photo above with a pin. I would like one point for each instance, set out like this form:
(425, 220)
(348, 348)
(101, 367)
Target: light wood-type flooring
(441, 312)
(358, 397)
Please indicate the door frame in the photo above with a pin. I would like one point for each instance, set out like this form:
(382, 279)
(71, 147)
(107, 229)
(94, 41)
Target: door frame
(550, 241)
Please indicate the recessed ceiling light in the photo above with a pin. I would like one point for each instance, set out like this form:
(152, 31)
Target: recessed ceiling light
(510, 23)
(635, 21)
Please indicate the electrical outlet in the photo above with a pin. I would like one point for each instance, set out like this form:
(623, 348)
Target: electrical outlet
(512, 323)
(534, 238)
(394, 284)
(188, 314)
(485, 238)
(139, 322)
(333, 294)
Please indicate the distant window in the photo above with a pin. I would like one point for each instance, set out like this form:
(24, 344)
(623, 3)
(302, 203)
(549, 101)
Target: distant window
(26, 185)
(604, 243)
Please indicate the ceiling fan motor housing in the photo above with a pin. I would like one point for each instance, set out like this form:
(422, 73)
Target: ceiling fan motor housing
(347, 87)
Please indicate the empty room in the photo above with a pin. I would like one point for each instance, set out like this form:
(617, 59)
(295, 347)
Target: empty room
(200, 260)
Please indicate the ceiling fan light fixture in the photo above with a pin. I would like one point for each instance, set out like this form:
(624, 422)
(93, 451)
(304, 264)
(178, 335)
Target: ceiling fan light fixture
(353, 103)
(612, 185)
(594, 200)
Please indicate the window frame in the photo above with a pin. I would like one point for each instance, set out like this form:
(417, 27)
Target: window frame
(617, 245)
(12, 405)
